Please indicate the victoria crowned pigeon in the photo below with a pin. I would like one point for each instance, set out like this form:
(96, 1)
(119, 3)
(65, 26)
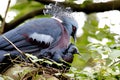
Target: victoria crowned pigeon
(41, 36)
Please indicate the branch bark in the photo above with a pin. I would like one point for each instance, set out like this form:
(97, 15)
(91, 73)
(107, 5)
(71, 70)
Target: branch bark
(3, 22)
(88, 8)
(14, 23)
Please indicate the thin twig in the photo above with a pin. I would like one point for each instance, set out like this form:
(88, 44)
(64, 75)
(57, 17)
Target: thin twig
(3, 23)
(13, 45)
(23, 54)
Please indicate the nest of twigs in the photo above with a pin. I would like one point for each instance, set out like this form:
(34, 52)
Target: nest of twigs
(40, 69)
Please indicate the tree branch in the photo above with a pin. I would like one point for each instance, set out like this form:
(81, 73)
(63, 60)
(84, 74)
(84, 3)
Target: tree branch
(1, 19)
(3, 22)
(88, 8)
(16, 22)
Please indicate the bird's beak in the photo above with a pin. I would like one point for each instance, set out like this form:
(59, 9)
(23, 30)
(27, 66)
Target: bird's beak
(74, 36)
(78, 53)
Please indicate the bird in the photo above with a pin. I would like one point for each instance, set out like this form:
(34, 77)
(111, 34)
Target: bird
(40, 36)
(67, 55)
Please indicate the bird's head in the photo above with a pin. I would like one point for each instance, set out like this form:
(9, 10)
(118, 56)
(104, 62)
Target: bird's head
(66, 17)
(70, 25)
(73, 49)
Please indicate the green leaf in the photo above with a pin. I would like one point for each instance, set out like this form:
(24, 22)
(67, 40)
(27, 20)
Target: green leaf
(100, 36)
(26, 7)
(48, 62)
(108, 61)
(114, 54)
(78, 62)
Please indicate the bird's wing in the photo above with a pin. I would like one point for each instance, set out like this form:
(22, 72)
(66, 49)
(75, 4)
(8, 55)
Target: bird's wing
(39, 30)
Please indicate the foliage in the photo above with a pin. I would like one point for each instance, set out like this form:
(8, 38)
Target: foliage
(25, 6)
(103, 64)
(98, 61)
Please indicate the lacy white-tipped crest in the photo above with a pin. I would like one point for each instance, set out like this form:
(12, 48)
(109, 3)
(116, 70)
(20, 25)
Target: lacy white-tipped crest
(58, 11)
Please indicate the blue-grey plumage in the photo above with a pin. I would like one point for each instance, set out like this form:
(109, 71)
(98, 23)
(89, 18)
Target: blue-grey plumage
(64, 14)
(69, 54)
(38, 34)
(71, 25)
(66, 55)
(21, 36)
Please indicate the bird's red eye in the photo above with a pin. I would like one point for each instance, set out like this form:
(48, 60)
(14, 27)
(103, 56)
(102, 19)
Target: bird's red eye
(73, 28)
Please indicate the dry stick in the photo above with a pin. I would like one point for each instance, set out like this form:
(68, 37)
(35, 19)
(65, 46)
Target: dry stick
(14, 45)
(3, 23)
(20, 51)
